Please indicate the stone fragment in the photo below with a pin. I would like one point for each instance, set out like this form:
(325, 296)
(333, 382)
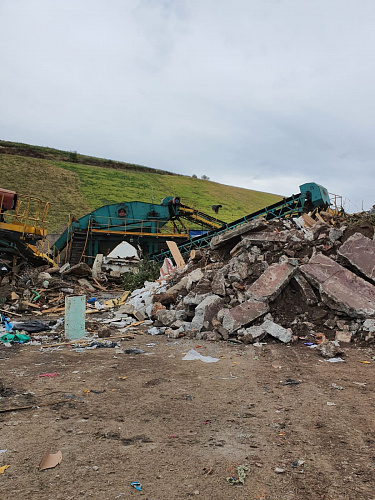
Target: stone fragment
(205, 312)
(223, 238)
(170, 296)
(329, 349)
(266, 237)
(213, 336)
(306, 289)
(139, 316)
(81, 269)
(166, 317)
(341, 336)
(253, 334)
(335, 234)
(277, 331)
(271, 283)
(243, 314)
(359, 251)
(369, 325)
(340, 288)
(194, 277)
(193, 299)
(126, 309)
(218, 284)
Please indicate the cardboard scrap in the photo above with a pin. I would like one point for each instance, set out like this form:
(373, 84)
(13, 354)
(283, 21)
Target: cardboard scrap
(50, 460)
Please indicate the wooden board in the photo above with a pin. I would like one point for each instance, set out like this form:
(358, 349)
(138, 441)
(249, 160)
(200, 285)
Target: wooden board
(176, 254)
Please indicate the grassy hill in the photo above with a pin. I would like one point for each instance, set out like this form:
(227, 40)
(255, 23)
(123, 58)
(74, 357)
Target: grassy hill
(77, 188)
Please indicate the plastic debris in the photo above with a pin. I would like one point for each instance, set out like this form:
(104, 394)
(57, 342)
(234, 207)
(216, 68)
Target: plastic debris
(17, 338)
(3, 468)
(290, 381)
(241, 472)
(334, 360)
(339, 387)
(329, 403)
(54, 374)
(137, 485)
(32, 326)
(134, 351)
(194, 356)
(366, 362)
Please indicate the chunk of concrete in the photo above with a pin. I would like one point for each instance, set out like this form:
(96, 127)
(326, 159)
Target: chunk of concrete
(243, 314)
(166, 317)
(194, 277)
(170, 296)
(218, 284)
(305, 289)
(205, 312)
(253, 334)
(341, 336)
(223, 238)
(277, 331)
(340, 289)
(266, 237)
(359, 251)
(271, 283)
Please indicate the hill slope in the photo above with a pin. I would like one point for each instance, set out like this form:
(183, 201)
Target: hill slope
(77, 189)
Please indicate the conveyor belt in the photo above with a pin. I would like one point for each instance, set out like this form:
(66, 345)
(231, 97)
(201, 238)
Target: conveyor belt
(286, 207)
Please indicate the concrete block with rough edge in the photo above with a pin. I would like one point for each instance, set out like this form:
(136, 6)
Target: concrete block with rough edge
(340, 289)
(359, 251)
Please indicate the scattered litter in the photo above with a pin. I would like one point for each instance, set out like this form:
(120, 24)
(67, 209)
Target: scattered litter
(122, 378)
(278, 470)
(361, 384)
(54, 374)
(290, 381)
(297, 463)
(194, 355)
(329, 403)
(334, 360)
(241, 475)
(366, 362)
(50, 460)
(32, 326)
(3, 451)
(338, 387)
(3, 468)
(136, 485)
(134, 351)
(17, 338)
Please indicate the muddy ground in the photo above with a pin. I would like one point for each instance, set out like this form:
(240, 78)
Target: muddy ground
(181, 428)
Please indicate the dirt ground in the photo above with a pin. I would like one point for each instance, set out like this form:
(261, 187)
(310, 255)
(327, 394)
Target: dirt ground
(181, 428)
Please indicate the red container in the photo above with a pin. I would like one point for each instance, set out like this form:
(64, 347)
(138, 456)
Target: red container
(8, 199)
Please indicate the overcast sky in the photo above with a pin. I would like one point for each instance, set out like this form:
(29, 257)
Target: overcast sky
(262, 94)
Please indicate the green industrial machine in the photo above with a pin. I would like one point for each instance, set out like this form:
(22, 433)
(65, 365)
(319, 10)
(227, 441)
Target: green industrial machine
(146, 225)
(311, 196)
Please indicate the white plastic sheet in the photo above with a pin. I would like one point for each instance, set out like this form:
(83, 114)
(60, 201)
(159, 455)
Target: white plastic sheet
(194, 355)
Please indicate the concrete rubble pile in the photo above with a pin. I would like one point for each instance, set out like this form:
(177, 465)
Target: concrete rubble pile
(278, 279)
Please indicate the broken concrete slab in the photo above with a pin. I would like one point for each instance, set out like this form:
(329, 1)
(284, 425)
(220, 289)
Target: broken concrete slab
(271, 283)
(305, 288)
(277, 331)
(266, 237)
(359, 251)
(170, 296)
(340, 289)
(205, 312)
(243, 314)
(223, 238)
(341, 336)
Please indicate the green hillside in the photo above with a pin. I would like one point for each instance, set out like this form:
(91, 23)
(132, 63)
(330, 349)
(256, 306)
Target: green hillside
(76, 189)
